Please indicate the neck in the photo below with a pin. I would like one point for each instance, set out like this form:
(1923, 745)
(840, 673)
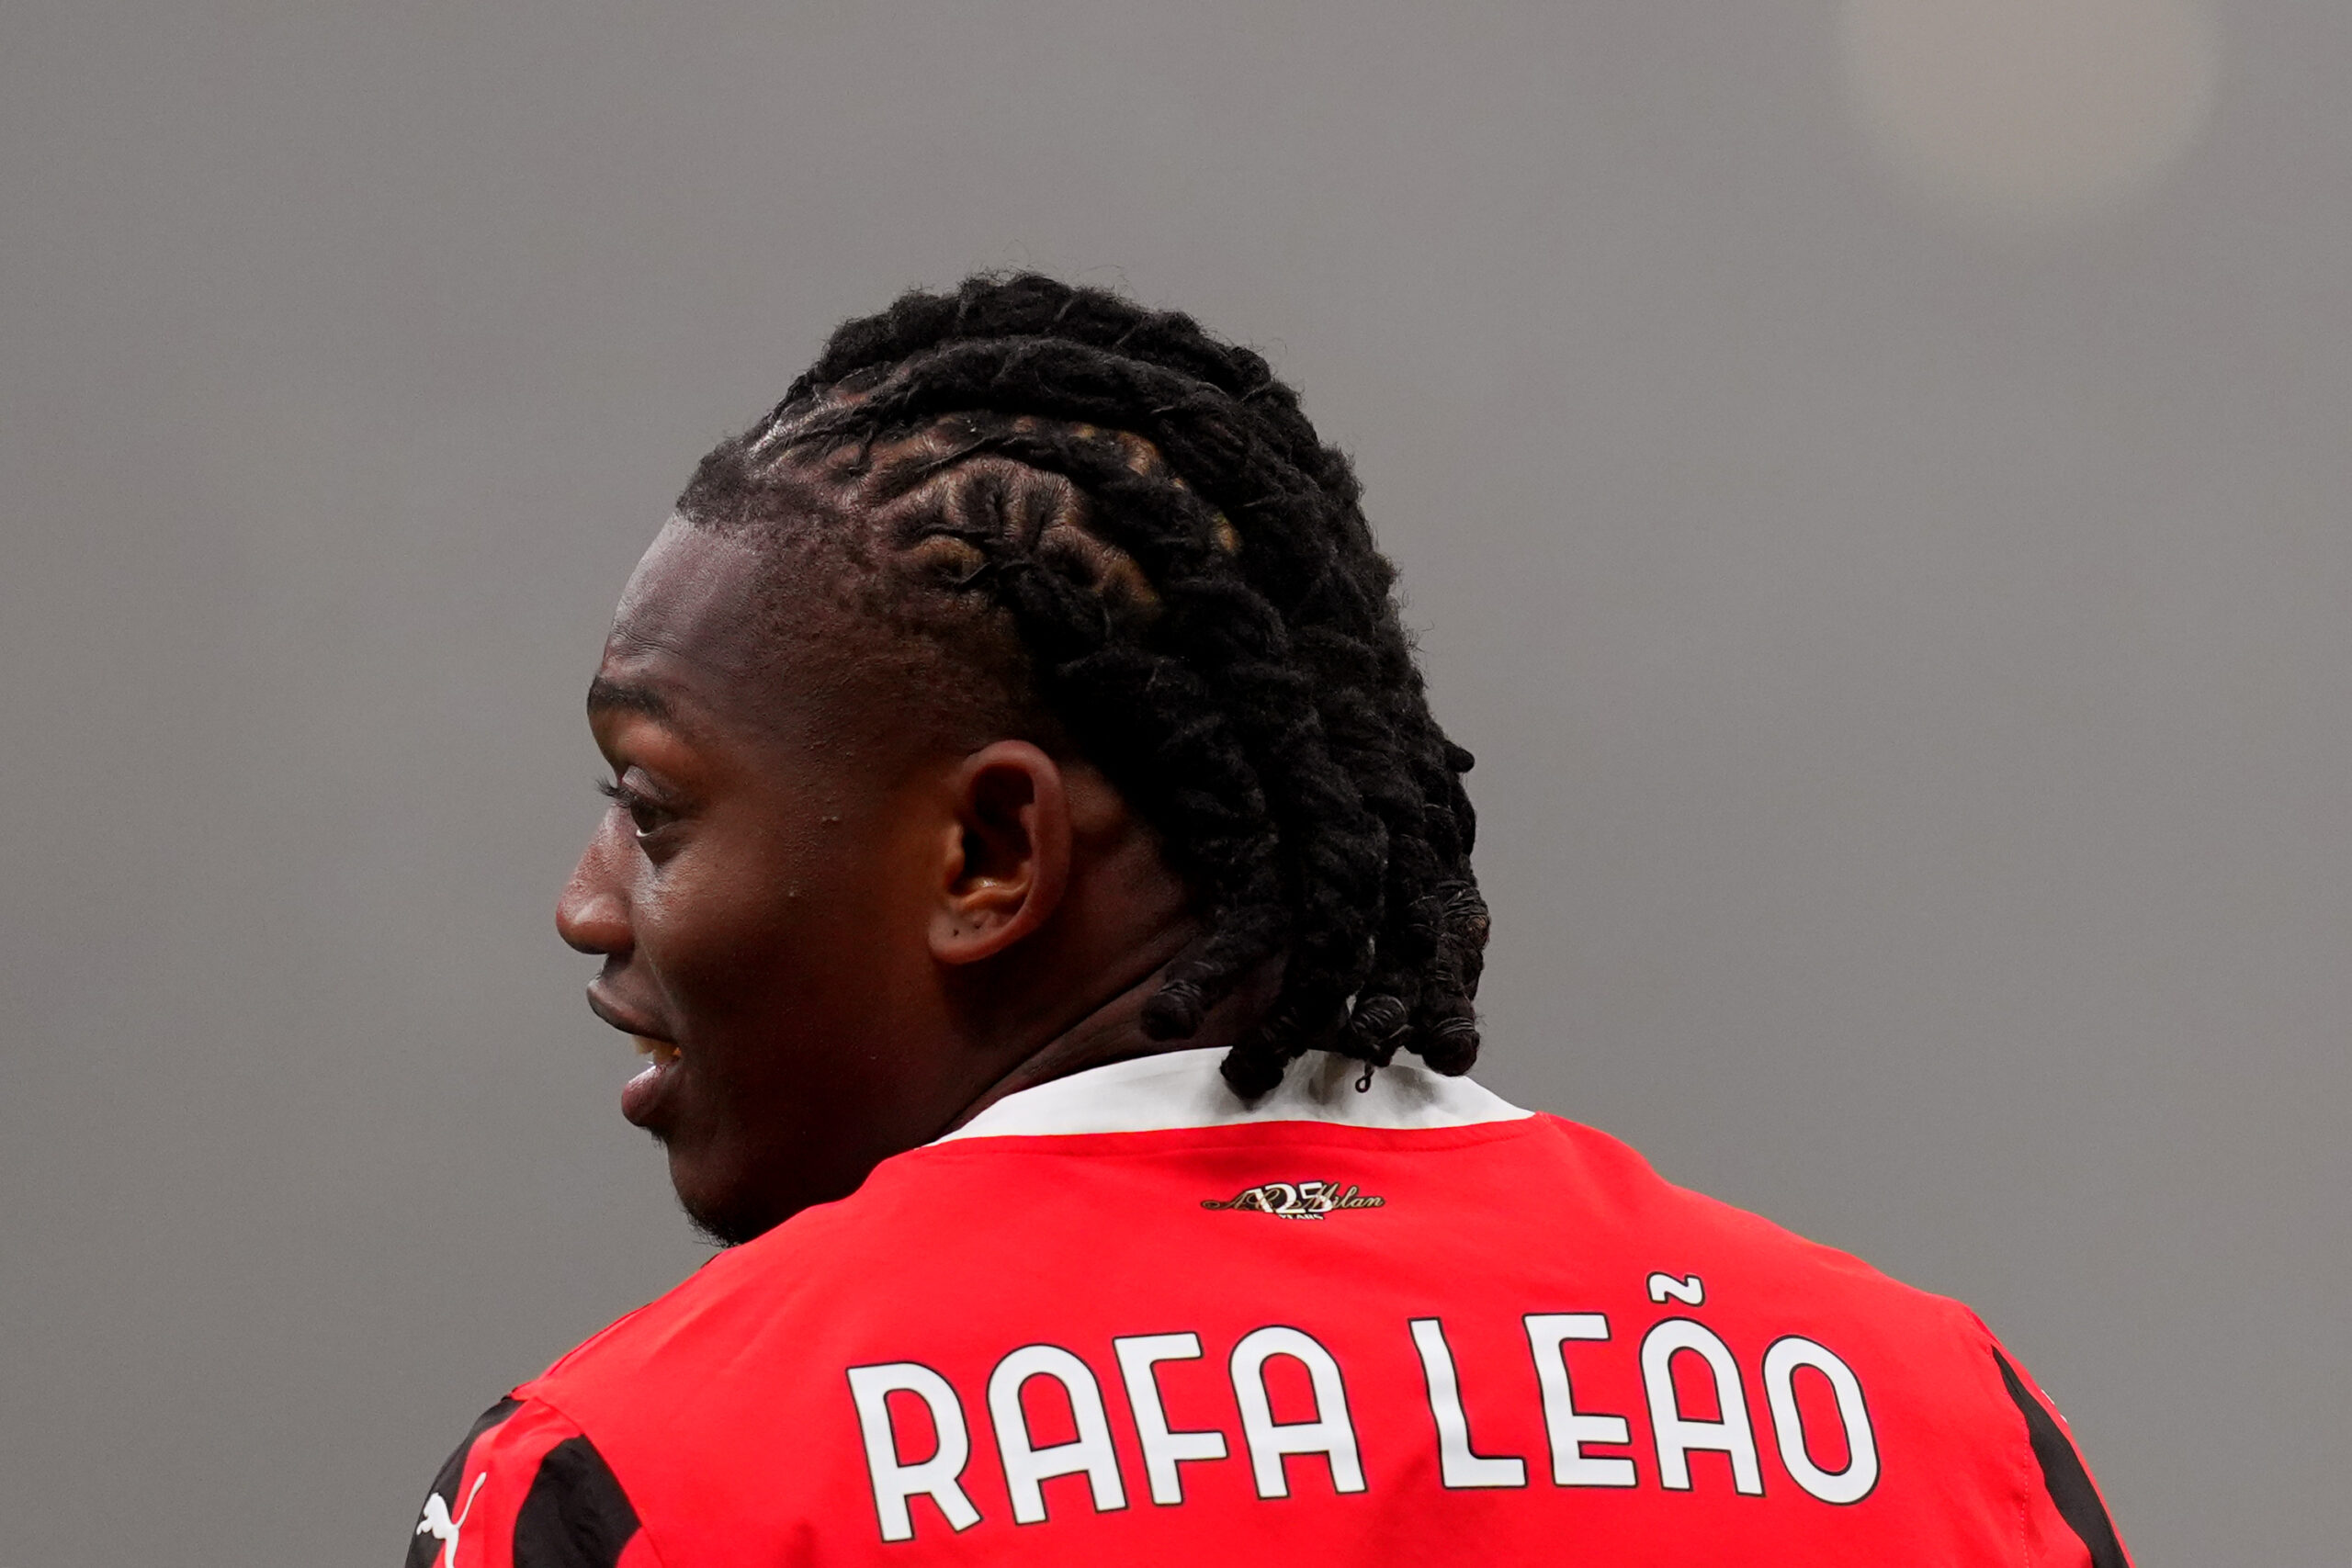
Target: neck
(1114, 1032)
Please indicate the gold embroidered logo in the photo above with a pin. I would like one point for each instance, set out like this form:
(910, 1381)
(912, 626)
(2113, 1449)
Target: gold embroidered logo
(1297, 1200)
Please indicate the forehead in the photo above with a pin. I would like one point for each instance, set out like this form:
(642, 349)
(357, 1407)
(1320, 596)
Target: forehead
(693, 595)
(725, 635)
(798, 631)
(697, 639)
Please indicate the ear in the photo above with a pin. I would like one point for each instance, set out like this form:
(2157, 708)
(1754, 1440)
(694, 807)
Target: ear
(1007, 854)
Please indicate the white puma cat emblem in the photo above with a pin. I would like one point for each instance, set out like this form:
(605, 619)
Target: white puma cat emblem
(442, 1528)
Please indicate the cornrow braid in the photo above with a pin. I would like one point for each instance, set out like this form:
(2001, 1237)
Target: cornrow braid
(1201, 607)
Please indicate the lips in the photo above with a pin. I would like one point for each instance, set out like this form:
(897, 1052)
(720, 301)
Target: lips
(641, 1096)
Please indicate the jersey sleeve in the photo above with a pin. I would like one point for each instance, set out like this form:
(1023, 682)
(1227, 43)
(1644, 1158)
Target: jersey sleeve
(2066, 1519)
(528, 1489)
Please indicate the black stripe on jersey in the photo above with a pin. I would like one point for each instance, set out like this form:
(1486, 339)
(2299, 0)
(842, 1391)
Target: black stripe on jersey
(425, 1549)
(575, 1516)
(2063, 1473)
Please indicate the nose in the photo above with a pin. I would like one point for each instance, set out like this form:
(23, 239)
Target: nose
(591, 914)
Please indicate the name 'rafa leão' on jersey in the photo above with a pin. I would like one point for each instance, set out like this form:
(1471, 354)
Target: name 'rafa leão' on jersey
(1124, 1317)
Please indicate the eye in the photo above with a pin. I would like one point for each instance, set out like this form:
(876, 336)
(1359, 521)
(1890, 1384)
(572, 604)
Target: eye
(645, 813)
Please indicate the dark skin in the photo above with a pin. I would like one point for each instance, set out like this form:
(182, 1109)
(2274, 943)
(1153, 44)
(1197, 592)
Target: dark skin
(839, 928)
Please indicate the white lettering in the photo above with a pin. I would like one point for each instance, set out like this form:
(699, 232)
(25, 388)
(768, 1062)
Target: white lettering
(1460, 1468)
(1329, 1434)
(1678, 1435)
(1687, 1289)
(1025, 1465)
(1852, 1484)
(895, 1481)
(1570, 1429)
(1163, 1449)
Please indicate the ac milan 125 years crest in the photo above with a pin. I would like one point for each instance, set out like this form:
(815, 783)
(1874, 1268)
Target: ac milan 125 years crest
(1297, 1200)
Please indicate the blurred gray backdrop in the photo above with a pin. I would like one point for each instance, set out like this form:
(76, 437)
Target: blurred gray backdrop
(1872, 478)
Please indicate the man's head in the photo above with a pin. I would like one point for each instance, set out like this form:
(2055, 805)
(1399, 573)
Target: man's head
(1032, 654)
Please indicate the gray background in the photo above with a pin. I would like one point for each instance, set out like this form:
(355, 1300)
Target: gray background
(1907, 648)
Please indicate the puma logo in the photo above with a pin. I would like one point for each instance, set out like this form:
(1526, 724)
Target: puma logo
(442, 1528)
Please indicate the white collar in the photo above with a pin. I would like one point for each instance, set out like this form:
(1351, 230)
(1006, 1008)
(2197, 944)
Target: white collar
(1184, 1089)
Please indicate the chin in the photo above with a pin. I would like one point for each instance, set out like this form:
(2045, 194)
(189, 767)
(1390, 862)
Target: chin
(720, 1203)
(722, 1228)
(722, 1210)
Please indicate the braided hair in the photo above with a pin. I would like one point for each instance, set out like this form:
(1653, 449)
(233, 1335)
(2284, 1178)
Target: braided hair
(1137, 523)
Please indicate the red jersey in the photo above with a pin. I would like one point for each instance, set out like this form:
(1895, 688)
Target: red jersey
(1127, 1318)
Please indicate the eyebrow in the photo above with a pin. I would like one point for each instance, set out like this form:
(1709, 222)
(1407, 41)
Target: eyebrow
(618, 696)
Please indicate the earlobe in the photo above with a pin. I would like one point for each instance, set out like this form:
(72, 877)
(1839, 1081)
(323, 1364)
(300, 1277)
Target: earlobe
(1006, 861)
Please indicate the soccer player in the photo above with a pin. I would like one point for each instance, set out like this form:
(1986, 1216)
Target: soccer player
(1045, 901)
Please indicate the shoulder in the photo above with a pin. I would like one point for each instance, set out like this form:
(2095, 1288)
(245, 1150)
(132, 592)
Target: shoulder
(526, 1486)
(787, 1301)
(1642, 1213)
(555, 1472)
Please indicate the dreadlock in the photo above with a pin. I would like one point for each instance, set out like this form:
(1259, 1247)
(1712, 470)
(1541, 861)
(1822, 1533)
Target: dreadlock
(1182, 569)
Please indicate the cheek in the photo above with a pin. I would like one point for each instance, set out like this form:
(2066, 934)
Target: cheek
(722, 933)
(782, 935)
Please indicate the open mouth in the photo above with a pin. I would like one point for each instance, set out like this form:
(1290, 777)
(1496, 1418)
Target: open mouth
(641, 1096)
